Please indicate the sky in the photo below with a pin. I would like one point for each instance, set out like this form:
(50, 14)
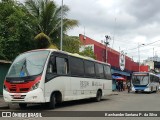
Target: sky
(129, 23)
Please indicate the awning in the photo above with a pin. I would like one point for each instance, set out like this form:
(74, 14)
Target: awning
(120, 72)
(118, 77)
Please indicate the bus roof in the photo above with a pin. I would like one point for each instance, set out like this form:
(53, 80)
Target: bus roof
(71, 54)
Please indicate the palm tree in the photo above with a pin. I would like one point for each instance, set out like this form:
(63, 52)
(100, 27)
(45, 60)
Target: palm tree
(47, 15)
(43, 41)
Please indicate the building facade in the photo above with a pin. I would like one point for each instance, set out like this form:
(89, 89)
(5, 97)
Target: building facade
(153, 63)
(113, 57)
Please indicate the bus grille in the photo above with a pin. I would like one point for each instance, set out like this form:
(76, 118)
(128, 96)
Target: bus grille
(24, 89)
(12, 90)
(20, 90)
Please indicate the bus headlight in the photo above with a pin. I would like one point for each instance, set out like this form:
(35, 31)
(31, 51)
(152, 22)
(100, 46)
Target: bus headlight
(5, 88)
(35, 86)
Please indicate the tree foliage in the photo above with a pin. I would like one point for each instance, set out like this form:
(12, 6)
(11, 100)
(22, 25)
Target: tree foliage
(16, 32)
(33, 25)
(43, 41)
(47, 15)
(71, 44)
(88, 51)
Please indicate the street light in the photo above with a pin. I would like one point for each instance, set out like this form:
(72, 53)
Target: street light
(61, 26)
(139, 55)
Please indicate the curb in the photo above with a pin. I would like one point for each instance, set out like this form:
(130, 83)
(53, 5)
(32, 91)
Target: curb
(4, 106)
(114, 94)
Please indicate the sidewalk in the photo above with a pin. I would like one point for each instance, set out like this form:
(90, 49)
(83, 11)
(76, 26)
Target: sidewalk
(121, 92)
(114, 93)
(3, 105)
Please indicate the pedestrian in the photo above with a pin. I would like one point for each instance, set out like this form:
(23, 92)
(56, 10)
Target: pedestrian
(119, 86)
(121, 83)
(129, 87)
(116, 85)
(124, 85)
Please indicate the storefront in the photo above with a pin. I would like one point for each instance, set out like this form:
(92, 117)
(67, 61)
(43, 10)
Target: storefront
(119, 75)
(115, 81)
(121, 64)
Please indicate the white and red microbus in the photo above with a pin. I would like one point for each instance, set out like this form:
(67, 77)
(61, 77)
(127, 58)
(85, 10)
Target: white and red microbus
(52, 76)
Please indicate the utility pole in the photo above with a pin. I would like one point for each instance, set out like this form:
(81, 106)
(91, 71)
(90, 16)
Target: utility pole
(107, 43)
(139, 55)
(138, 58)
(153, 54)
(61, 42)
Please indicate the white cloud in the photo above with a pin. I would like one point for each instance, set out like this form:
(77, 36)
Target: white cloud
(140, 39)
(137, 21)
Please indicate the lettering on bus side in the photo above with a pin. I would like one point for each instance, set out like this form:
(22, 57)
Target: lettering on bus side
(96, 83)
(84, 84)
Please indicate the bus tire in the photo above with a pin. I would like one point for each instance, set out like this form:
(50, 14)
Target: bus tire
(98, 96)
(136, 91)
(52, 102)
(151, 89)
(156, 90)
(23, 105)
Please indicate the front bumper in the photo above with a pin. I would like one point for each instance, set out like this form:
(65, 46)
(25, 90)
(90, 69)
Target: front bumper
(35, 96)
(146, 89)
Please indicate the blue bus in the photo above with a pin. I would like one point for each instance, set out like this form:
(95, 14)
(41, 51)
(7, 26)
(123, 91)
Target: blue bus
(144, 81)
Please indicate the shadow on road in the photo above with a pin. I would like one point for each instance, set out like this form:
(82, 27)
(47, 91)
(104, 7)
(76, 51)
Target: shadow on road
(142, 92)
(79, 102)
(60, 105)
(4, 107)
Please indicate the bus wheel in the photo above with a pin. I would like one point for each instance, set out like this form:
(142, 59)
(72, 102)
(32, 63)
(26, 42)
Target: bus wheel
(151, 89)
(52, 102)
(98, 96)
(156, 89)
(23, 105)
(136, 91)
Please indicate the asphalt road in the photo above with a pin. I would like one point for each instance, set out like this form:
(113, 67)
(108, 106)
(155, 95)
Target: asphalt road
(118, 101)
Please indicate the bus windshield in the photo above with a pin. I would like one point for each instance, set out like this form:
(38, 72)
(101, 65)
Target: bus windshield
(140, 80)
(28, 64)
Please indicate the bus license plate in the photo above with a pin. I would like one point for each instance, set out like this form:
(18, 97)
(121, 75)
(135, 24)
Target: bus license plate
(17, 96)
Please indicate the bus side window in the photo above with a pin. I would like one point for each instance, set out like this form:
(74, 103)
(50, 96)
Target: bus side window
(50, 71)
(62, 66)
(151, 78)
(154, 78)
(99, 70)
(49, 68)
(107, 72)
(59, 67)
(76, 66)
(89, 69)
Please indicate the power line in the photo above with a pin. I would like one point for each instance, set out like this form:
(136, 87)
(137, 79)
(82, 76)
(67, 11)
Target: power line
(114, 32)
(145, 45)
(143, 49)
(158, 45)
